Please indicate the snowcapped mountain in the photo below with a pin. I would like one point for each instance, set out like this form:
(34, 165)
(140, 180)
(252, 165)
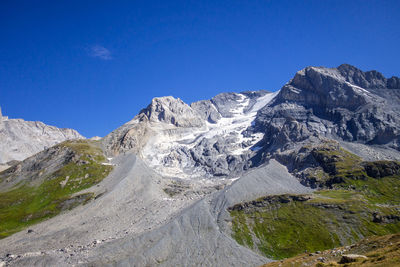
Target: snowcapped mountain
(208, 138)
(203, 184)
(232, 132)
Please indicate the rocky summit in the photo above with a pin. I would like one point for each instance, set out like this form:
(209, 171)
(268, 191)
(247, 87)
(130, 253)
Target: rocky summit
(241, 179)
(343, 103)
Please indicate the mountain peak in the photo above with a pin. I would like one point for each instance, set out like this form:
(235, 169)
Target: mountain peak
(348, 67)
(170, 110)
(343, 103)
(346, 73)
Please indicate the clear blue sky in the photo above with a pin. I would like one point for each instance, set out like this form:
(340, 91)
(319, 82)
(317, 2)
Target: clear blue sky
(92, 65)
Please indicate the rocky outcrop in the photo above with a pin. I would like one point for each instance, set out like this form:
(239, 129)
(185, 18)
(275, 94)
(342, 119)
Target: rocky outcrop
(171, 110)
(380, 169)
(134, 135)
(341, 103)
(20, 139)
(207, 110)
(225, 102)
(349, 258)
(369, 79)
(255, 205)
(131, 136)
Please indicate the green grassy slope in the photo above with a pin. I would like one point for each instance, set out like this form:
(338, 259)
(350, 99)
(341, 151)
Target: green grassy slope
(28, 203)
(383, 251)
(353, 205)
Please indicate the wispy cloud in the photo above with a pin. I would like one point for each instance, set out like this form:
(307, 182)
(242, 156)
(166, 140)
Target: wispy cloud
(99, 51)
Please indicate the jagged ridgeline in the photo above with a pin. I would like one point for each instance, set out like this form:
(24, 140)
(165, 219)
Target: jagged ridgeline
(49, 182)
(356, 199)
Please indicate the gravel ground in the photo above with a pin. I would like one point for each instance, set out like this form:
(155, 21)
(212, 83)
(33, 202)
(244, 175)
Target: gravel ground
(371, 153)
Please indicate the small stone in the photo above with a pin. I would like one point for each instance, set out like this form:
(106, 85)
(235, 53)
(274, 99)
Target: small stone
(30, 231)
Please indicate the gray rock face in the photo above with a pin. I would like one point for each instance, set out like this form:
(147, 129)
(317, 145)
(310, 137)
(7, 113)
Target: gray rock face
(369, 79)
(224, 102)
(20, 139)
(131, 136)
(134, 135)
(171, 110)
(342, 103)
(207, 110)
(214, 153)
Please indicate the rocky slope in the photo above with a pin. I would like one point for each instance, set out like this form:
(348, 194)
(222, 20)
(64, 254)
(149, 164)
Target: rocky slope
(341, 103)
(215, 183)
(20, 139)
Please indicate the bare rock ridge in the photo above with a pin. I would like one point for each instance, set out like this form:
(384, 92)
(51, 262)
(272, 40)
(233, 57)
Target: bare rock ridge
(20, 139)
(341, 103)
(170, 110)
(369, 79)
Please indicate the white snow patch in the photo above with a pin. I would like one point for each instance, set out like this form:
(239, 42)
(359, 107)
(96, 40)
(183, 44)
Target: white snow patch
(263, 101)
(359, 89)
